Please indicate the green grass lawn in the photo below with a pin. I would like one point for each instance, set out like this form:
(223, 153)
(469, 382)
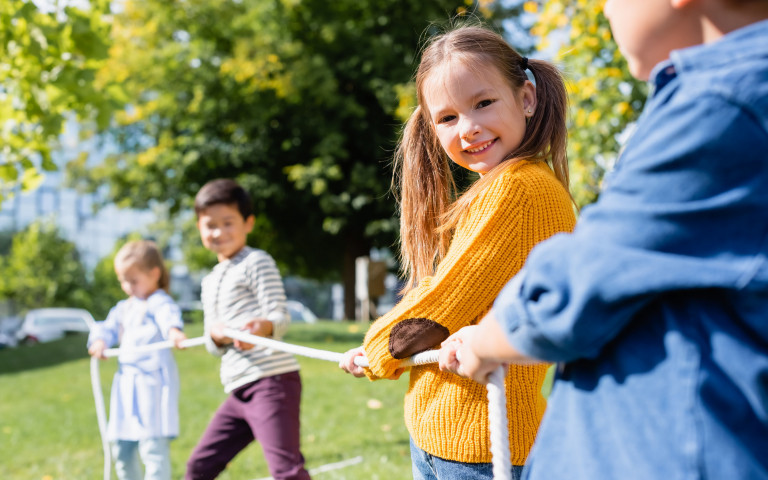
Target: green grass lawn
(48, 427)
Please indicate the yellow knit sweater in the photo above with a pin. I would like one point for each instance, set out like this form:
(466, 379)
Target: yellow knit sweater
(446, 415)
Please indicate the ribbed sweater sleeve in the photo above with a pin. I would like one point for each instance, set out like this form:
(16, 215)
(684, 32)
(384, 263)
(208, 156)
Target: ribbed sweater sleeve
(447, 415)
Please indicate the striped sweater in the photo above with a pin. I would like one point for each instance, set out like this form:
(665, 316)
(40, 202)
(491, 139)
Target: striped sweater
(446, 415)
(239, 289)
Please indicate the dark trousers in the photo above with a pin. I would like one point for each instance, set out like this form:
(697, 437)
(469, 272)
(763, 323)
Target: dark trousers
(267, 411)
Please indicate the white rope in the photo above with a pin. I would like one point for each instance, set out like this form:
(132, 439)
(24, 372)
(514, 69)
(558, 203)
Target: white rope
(101, 415)
(282, 346)
(190, 342)
(497, 401)
(418, 359)
(497, 417)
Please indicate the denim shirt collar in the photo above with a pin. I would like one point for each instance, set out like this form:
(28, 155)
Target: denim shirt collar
(735, 46)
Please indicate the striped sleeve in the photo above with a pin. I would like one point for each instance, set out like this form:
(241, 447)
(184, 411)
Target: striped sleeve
(206, 296)
(266, 284)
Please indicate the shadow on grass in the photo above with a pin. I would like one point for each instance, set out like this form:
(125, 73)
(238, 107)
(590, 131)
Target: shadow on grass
(42, 355)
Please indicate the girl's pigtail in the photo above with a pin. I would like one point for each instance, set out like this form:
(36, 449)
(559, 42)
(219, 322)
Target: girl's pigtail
(165, 278)
(426, 189)
(548, 134)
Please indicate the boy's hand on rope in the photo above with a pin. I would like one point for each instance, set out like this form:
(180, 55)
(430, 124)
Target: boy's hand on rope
(257, 326)
(97, 349)
(217, 335)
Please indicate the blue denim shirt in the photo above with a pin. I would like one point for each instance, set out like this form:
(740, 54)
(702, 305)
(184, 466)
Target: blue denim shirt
(657, 305)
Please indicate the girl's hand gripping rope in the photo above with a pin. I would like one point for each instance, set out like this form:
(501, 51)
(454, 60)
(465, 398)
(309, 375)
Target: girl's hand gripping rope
(177, 337)
(97, 349)
(457, 355)
(354, 362)
(348, 364)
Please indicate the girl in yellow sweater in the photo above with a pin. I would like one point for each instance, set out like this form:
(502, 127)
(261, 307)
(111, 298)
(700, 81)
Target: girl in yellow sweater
(477, 107)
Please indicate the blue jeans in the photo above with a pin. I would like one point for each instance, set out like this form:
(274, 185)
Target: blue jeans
(154, 452)
(430, 467)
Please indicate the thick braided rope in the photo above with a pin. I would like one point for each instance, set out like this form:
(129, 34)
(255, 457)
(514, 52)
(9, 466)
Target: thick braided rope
(497, 416)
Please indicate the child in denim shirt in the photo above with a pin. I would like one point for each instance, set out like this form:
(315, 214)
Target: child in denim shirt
(657, 305)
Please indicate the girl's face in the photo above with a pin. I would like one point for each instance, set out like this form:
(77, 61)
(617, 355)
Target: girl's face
(137, 282)
(477, 116)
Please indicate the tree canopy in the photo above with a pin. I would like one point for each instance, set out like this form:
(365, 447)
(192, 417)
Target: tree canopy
(48, 61)
(43, 270)
(301, 102)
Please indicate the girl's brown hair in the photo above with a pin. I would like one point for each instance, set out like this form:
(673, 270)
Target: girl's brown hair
(429, 208)
(145, 255)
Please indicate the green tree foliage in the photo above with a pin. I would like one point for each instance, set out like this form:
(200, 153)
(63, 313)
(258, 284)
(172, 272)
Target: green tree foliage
(43, 270)
(604, 98)
(104, 288)
(6, 239)
(300, 101)
(48, 65)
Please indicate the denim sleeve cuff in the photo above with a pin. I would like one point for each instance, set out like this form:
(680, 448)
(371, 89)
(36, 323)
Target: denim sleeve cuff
(521, 333)
(526, 340)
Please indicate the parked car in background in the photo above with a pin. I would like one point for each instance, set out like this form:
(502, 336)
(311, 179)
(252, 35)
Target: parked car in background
(47, 324)
(8, 328)
(300, 312)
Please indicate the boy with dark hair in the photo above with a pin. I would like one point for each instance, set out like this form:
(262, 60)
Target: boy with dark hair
(657, 305)
(245, 291)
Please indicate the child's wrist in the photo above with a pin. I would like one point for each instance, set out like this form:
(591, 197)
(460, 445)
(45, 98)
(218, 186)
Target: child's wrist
(221, 341)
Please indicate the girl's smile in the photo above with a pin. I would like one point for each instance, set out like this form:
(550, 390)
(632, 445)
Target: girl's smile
(481, 148)
(479, 119)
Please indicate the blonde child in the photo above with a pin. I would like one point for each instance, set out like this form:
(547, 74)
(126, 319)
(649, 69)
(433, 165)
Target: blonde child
(143, 413)
(477, 108)
(656, 305)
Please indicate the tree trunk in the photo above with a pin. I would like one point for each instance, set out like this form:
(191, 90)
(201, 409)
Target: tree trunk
(355, 245)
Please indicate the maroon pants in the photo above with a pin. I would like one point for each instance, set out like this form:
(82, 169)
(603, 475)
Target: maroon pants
(267, 411)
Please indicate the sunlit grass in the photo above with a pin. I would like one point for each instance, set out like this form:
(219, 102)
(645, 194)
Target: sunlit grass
(48, 424)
